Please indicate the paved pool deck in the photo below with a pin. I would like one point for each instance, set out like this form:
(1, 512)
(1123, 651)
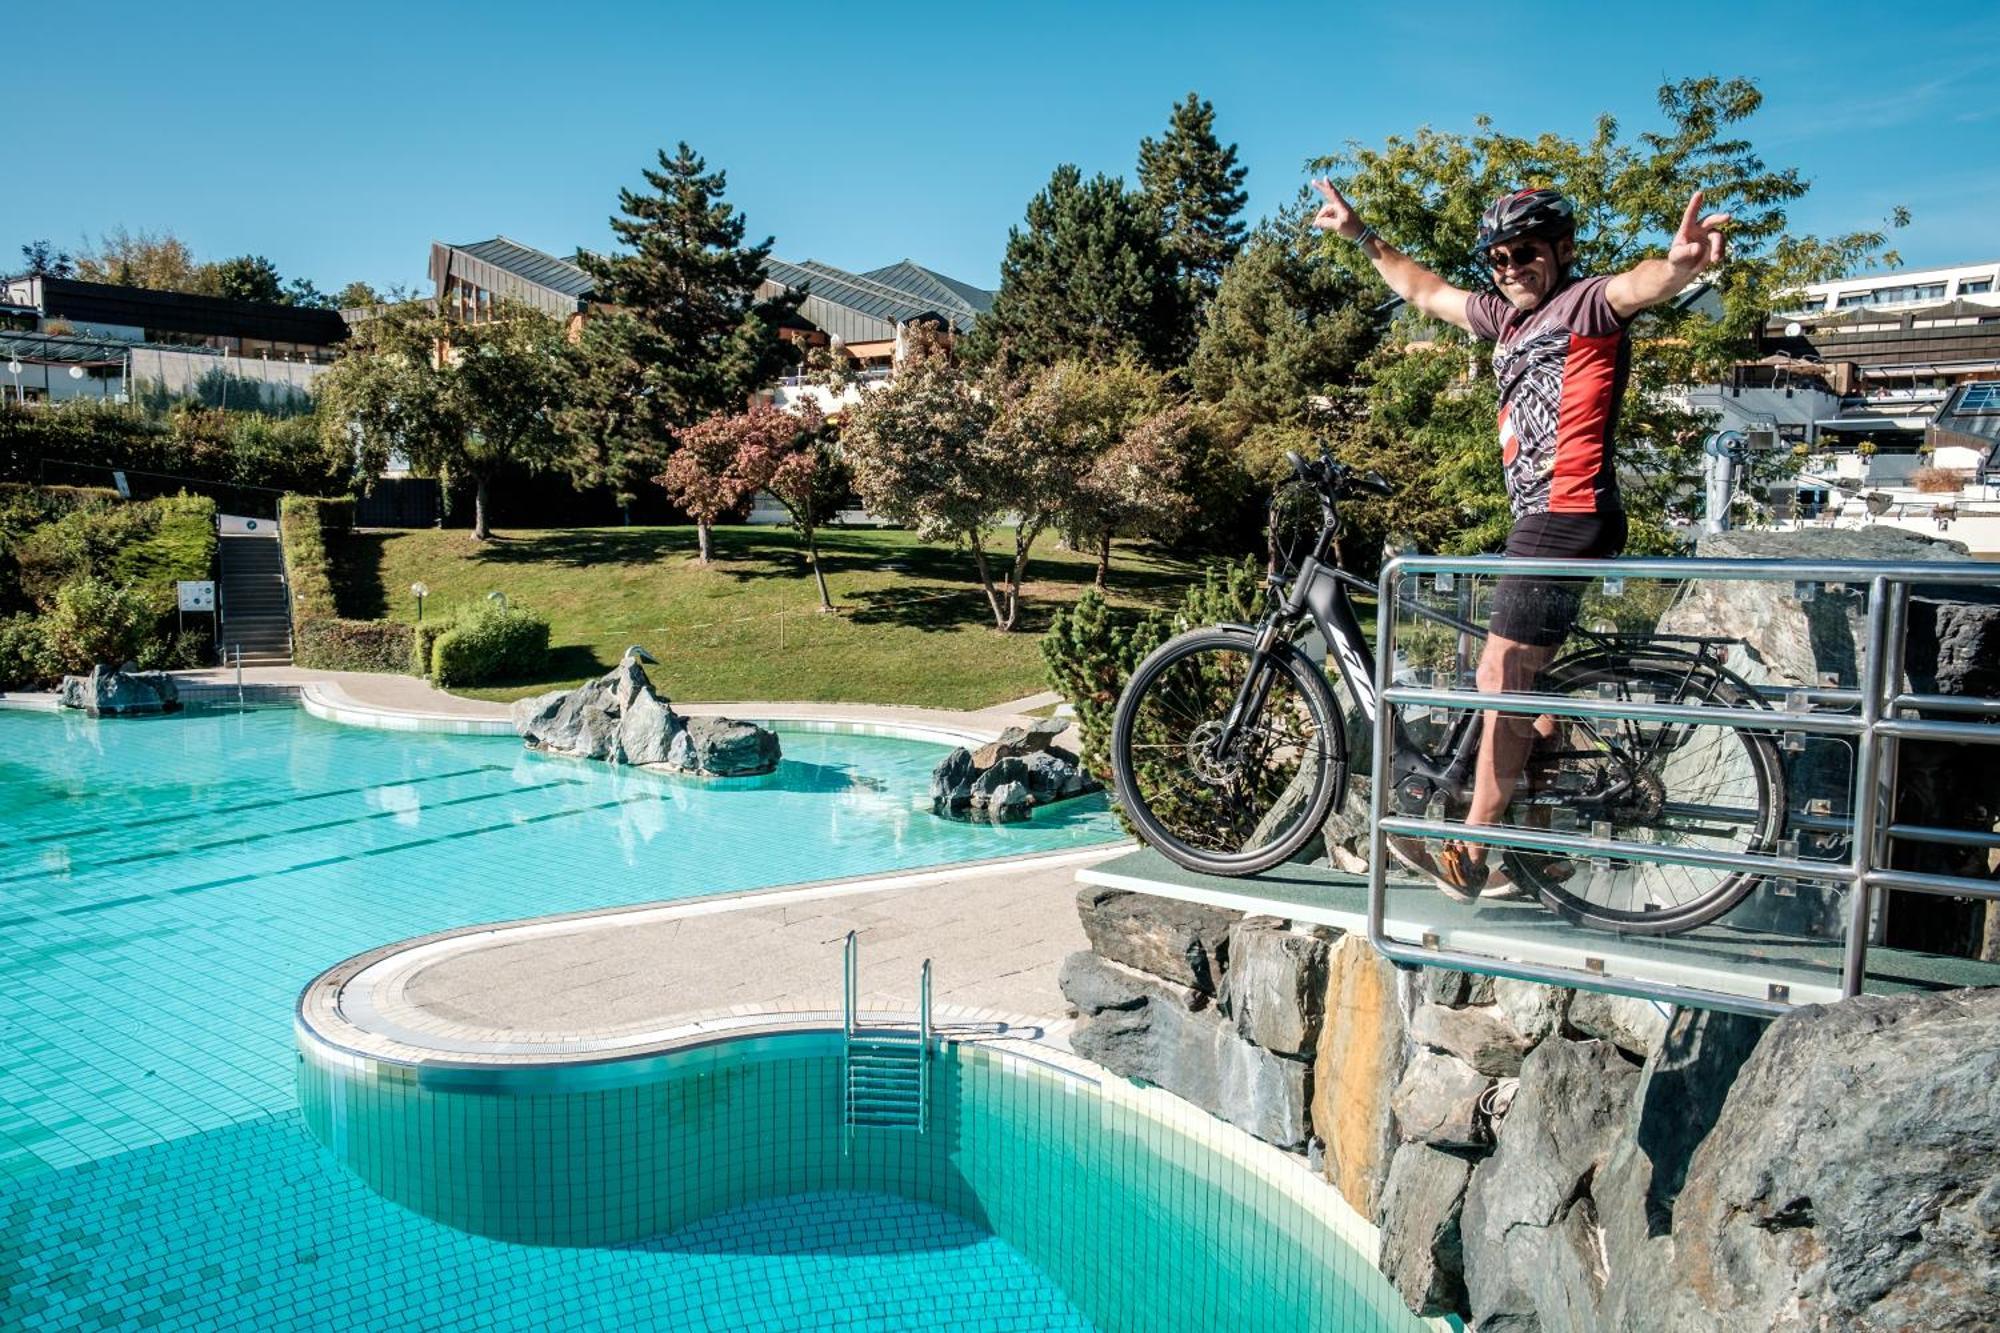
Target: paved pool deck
(632, 982)
(625, 982)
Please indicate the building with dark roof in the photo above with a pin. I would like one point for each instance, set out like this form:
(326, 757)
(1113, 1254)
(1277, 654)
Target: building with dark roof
(471, 279)
(861, 312)
(105, 310)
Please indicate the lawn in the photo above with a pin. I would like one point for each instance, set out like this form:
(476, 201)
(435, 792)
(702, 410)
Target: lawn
(912, 626)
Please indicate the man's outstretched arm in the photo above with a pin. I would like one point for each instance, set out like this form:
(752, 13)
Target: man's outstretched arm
(1406, 277)
(1696, 246)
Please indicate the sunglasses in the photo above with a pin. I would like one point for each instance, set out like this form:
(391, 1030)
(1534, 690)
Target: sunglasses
(1500, 259)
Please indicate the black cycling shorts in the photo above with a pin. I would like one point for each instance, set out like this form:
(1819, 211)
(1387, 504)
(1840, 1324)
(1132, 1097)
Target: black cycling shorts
(1541, 610)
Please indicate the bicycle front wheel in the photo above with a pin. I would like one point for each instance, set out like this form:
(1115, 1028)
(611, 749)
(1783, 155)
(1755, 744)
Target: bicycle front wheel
(1227, 804)
(1712, 787)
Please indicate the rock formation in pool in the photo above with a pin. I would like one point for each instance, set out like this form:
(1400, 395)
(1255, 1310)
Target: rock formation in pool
(126, 691)
(1006, 778)
(620, 719)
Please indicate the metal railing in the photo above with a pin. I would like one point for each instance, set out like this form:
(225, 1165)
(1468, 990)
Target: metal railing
(1877, 726)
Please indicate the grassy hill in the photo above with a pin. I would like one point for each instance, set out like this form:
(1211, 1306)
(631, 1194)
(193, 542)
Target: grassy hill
(912, 625)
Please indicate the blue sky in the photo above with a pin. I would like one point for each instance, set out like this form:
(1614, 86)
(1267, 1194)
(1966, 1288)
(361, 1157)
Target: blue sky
(340, 140)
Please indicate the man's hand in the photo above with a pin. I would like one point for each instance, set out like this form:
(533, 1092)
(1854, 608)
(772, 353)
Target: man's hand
(1696, 246)
(1336, 214)
(1699, 243)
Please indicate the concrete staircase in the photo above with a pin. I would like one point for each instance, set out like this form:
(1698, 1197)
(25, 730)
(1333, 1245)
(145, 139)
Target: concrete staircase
(256, 613)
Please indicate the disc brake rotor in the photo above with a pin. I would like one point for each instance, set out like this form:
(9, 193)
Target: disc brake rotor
(1206, 759)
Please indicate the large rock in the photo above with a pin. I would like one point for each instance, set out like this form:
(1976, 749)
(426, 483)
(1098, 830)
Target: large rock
(965, 782)
(1953, 646)
(1363, 1048)
(1438, 1102)
(725, 747)
(620, 719)
(1421, 1250)
(1632, 1024)
(1480, 1037)
(1185, 943)
(647, 730)
(1680, 1095)
(1852, 1180)
(1783, 639)
(1532, 1259)
(110, 691)
(1275, 985)
(1533, 1009)
(1140, 1028)
(1452, 988)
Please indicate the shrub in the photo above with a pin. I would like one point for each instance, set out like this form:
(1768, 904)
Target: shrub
(1090, 655)
(94, 620)
(423, 643)
(1937, 480)
(24, 653)
(328, 643)
(490, 643)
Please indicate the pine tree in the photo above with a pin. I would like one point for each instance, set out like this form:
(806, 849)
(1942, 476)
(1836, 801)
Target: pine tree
(702, 336)
(1088, 279)
(1195, 186)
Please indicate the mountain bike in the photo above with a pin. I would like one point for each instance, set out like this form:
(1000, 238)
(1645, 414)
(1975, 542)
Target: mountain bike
(1229, 750)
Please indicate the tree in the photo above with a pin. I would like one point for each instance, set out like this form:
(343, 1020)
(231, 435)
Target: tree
(388, 396)
(356, 295)
(1195, 187)
(489, 400)
(1284, 340)
(160, 261)
(1425, 194)
(792, 456)
(1088, 279)
(701, 476)
(1129, 442)
(302, 293)
(244, 278)
(509, 379)
(45, 261)
(615, 417)
(954, 457)
(690, 286)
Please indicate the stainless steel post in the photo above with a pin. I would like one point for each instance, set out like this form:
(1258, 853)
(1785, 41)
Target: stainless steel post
(1875, 686)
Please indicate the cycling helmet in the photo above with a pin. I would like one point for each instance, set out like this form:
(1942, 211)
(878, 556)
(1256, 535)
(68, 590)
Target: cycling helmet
(1524, 213)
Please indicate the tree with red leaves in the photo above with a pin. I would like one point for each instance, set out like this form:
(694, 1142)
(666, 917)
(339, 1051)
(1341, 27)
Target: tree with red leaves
(791, 455)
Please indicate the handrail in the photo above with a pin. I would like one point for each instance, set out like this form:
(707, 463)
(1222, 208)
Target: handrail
(1874, 719)
(924, 1050)
(847, 984)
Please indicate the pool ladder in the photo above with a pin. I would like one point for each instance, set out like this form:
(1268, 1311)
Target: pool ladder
(886, 1068)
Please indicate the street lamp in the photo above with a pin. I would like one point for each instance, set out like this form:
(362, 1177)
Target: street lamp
(420, 590)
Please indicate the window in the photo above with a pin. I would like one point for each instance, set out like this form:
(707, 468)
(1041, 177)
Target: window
(1981, 397)
(1911, 291)
(1967, 286)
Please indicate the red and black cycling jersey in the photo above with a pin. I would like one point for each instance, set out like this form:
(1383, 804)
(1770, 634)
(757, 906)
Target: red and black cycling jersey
(1562, 369)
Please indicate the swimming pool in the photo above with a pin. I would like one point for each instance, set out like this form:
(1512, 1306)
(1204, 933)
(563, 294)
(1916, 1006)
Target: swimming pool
(168, 885)
(1134, 1211)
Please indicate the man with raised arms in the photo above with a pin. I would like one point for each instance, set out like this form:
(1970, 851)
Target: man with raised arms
(1562, 349)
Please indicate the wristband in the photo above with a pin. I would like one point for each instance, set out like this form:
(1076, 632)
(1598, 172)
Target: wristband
(1367, 235)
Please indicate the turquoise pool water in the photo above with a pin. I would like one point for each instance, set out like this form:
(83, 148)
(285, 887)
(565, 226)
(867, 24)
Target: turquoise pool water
(1148, 1216)
(167, 886)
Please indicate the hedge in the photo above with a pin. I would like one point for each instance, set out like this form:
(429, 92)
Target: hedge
(423, 643)
(305, 524)
(488, 644)
(329, 643)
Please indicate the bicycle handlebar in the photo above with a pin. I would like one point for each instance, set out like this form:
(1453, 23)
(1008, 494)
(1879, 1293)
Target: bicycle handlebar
(1334, 479)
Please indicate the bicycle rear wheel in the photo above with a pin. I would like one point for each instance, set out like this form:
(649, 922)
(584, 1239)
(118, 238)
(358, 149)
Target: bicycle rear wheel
(1226, 809)
(1713, 787)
